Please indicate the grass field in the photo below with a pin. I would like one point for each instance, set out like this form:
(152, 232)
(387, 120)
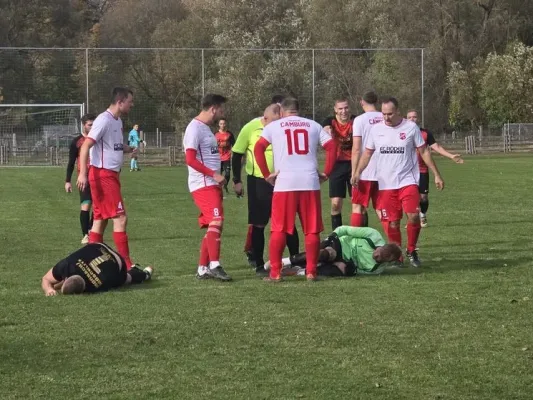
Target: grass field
(459, 328)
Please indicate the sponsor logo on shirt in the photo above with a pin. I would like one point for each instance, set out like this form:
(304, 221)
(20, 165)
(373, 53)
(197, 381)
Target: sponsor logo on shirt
(214, 149)
(373, 121)
(391, 150)
(402, 135)
(118, 147)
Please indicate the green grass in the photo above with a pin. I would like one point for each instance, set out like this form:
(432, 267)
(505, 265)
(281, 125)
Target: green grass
(459, 328)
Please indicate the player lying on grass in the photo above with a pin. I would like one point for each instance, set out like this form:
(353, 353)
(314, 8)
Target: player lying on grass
(348, 251)
(95, 267)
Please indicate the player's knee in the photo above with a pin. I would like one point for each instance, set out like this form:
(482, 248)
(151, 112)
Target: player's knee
(395, 225)
(358, 209)
(336, 205)
(85, 206)
(413, 218)
(424, 198)
(218, 222)
(120, 222)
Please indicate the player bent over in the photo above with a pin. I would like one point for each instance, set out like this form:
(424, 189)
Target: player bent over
(348, 251)
(296, 182)
(203, 162)
(93, 268)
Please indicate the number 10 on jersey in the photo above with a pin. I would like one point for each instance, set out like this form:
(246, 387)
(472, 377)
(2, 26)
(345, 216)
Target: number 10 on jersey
(297, 141)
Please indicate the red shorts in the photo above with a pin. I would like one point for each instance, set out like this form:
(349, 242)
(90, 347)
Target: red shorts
(308, 206)
(363, 192)
(105, 193)
(209, 201)
(393, 202)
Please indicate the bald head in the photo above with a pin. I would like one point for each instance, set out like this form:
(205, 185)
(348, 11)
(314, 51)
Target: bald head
(271, 114)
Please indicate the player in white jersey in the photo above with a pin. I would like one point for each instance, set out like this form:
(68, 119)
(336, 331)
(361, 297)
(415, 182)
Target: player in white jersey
(106, 145)
(296, 181)
(367, 187)
(397, 140)
(203, 162)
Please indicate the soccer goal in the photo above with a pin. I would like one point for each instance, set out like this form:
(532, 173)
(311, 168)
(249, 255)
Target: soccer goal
(38, 134)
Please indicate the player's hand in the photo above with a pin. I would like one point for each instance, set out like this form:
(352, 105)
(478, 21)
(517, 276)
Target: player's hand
(355, 179)
(81, 183)
(219, 178)
(322, 177)
(457, 159)
(272, 178)
(68, 187)
(439, 183)
(237, 187)
(51, 292)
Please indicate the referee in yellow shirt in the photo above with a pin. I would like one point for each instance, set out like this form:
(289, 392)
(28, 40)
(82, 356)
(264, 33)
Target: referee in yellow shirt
(259, 191)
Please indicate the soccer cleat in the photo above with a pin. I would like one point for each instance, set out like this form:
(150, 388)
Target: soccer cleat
(250, 259)
(311, 277)
(149, 271)
(220, 274)
(270, 279)
(85, 239)
(423, 222)
(413, 258)
(261, 271)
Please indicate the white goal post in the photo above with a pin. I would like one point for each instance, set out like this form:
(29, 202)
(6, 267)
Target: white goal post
(37, 134)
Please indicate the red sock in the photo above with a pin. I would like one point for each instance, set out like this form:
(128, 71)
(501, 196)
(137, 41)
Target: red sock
(276, 247)
(394, 234)
(121, 241)
(357, 219)
(385, 226)
(95, 237)
(213, 242)
(248, 243)
(413, 231)
(204, 253)
(312, 249)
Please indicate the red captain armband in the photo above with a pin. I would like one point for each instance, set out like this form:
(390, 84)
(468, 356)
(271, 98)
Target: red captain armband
(191, 161)
(331, 157)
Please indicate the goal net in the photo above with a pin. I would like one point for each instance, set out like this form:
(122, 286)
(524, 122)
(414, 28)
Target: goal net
(37, 134)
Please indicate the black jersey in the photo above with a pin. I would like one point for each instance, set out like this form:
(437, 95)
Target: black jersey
(97, 264)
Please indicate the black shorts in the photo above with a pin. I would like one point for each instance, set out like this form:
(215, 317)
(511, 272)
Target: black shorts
(85, 195)
(423, 184)
(225, 167)
(339, 180)
(260, 194)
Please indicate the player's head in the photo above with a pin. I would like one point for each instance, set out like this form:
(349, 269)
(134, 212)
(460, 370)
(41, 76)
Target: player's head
(215, 106)
(136, 127)
(369, 99)
(222, 124)
(277, 99)
(387, 253)
(87, 123)
(272, 113)
(412, 115)
(342, 109)
(389, 109)
(73, 285)
(122, 99)
(289, 106)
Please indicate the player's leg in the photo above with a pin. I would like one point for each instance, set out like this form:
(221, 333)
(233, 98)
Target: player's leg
(203, 262)
(85, 214)
(331, 270)
(283, 216)
(252, 204)
(227, 173)
(96, 234)
(423, 186)
(391, 214)
(410, 199)
(337, 192)
(137, 275)
(360, 201)
(310, 213)
(132, 162)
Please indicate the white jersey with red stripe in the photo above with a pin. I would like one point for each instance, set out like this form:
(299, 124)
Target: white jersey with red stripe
(361, 127)
(108, 149)
(295, 142)
(199, 137)
(397, 162)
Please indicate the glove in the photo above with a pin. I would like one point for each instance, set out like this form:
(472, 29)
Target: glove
(329, 240)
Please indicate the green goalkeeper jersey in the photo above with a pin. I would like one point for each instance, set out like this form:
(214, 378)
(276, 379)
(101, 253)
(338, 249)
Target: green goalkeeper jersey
(358, 245)
(245, 143)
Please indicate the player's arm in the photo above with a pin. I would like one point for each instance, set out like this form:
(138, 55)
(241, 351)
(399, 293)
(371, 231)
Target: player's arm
(190, 142)
(360, 233)
(128, 149)
(326, 125)
(329, 145)
(426, 156)
(72, 156)
(231, 140)
(48, 282)
(443, 152)
(357, 144)
(238, 150)
(361, 165)
(84, 160)
(259, 154)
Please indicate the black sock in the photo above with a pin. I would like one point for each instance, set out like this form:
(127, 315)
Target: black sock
(365, 220)
(91, 222)
(258, 245)
(293, 243)
(137, 275)
(85, 219)
(424, 205)
(336, 221)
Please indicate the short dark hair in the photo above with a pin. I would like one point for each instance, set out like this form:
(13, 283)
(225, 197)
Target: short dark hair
(290, 103)
(411, 110)
(370, 97)
(391, 252)
(390, 99)
(342, 100)
(73, 285)
(277, 99)
(120, 94)
(87, 117)
(210, 100)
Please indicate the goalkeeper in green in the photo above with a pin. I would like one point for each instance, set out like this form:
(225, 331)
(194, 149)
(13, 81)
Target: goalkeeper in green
(348, 251)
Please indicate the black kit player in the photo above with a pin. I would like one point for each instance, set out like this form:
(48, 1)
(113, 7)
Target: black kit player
(73, 160)
(95, 267)
(340, 126)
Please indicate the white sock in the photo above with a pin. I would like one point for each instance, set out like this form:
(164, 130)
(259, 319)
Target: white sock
(202, 269)
(286, 262)
(422, 215)
(214, 264)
